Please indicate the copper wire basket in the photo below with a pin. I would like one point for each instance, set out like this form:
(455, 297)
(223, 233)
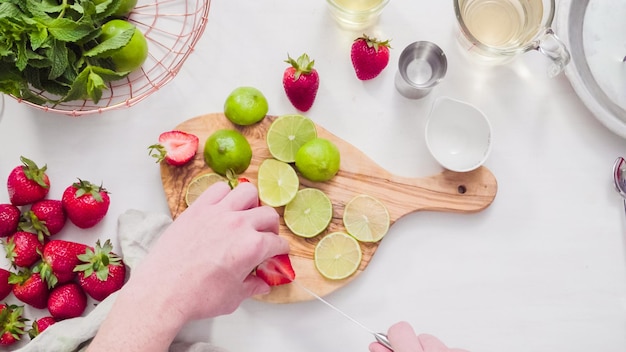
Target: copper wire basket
(172, 29)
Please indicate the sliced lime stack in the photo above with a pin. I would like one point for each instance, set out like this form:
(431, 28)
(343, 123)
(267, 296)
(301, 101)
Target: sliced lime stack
(337, 256)
(309, 213)
(366, 218)
(278, 182)
(287, 134)
(199, 184)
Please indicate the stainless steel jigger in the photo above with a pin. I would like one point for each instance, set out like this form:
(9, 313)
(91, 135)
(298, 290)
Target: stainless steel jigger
(422, 65)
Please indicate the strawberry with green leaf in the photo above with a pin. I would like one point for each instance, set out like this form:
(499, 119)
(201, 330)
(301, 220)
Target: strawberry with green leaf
(102, 272)
(23, 249)
(46, 217)
(301, 82)
(38, 326)
(59, 258)
(12, 324)
(369, 57)
(27, 183)
(85, 203)
(29, 287)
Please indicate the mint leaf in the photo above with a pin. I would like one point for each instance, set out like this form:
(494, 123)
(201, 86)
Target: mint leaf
(107, 74)
(95, 85)
(106, 47)
(37, 37)
(79, 86)
(67, 30)
(9, 10)
(58, 57)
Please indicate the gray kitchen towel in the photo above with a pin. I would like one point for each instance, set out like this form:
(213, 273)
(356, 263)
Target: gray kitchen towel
(136, 232)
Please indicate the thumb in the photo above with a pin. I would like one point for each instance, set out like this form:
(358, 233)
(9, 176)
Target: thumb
(253, 286)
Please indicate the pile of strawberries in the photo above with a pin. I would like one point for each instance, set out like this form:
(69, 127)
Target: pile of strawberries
(48, 273)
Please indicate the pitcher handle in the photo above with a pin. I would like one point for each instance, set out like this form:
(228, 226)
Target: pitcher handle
(552, 47)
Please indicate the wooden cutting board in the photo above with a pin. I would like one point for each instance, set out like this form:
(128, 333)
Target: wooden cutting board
(448, 191)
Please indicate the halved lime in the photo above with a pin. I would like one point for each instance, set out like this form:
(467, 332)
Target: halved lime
(366, 218)
(337, 256)
(309, 213)
(199, 184)
(278, 182)
(287, 134)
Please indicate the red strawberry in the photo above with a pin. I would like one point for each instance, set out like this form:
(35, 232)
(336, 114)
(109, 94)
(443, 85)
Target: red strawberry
(301, 82)
(12, 324)
(5, 286)
(59, 258)
(276, 270)
(9, 219)
(85, 203)
(67, 301)
(369, 57)
(23, 249)
(27, 183)
(46, 217)
(30, 288)
(175, 147)
(40, 325)
(102, 273)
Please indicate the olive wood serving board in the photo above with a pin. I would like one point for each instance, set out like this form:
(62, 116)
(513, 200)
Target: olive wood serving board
(447, 191)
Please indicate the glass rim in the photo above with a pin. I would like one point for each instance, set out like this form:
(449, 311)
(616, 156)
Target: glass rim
(546, 24)
(372, 9)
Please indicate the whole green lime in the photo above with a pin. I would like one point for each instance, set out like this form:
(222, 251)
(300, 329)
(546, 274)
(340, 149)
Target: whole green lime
(245, 106)
(131, 56)
(318, 160)
(227, 150)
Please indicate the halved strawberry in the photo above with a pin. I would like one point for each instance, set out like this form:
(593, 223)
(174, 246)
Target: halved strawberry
(276, 270)
(175, 147)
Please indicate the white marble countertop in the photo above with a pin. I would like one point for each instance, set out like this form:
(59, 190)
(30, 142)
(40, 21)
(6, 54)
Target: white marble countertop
(542, 269)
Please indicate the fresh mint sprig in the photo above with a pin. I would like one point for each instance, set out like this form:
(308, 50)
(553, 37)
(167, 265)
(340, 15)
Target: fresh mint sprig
(53, 46)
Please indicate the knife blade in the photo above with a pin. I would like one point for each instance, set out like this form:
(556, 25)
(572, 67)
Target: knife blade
(380, 337)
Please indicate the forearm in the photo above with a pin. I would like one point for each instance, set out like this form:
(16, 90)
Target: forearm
(140, 320)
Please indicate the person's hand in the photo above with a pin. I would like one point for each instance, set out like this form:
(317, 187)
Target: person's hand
(206, 257)
(403, 339)
(200, 267)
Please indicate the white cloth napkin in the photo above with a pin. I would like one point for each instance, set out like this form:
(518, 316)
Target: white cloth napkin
(136, 232)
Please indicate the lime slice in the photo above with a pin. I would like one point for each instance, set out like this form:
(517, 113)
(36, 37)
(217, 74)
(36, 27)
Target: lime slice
(337, 256)
(309, 213)
(366, 218)
(199, 184)
(278, 182)
(287, 134)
